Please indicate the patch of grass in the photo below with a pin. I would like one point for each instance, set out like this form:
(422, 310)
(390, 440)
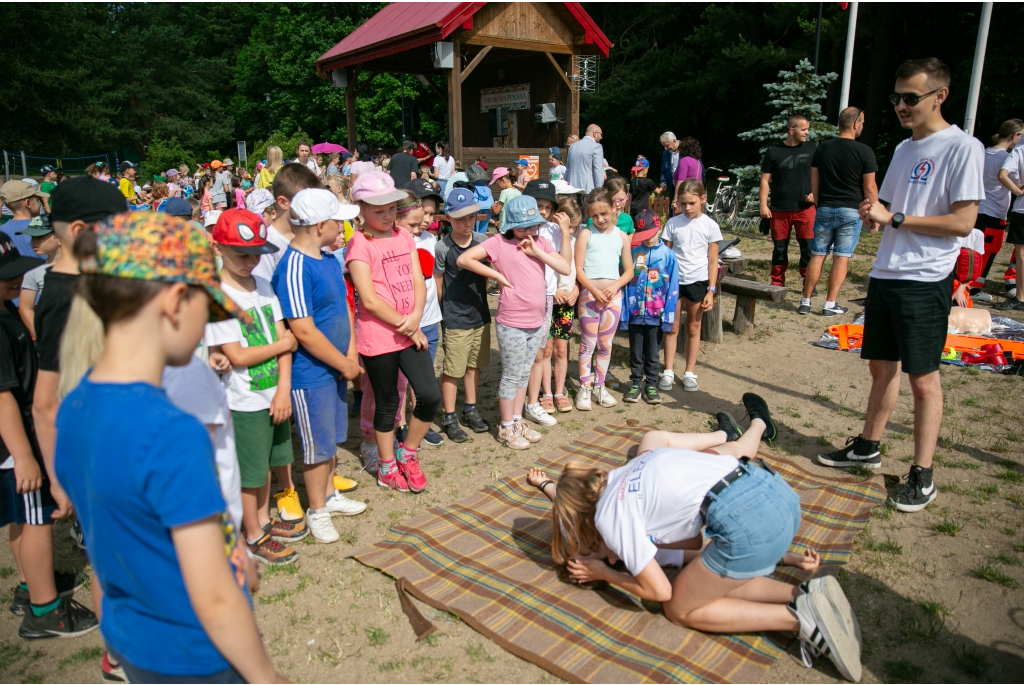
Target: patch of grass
(824, 440)
(6, 572)
(994, 575)
(432, 640)
(304, 580)
(971, 402)
(478, 653)
(923, 621)
(1018, 547)
(889, 546)
(860, 471)
(902, 671)
(884, 448)
(1013, 436)
(376, 636)
(350, 536)
(990, 489)
(999, 446)
(819, 396)
(971, 661)
(1006, 559)
(281, 570)
(82, 657)
(390, 665)
(1011, 476)
(884, 512)
(1015, 498)
(948, 526)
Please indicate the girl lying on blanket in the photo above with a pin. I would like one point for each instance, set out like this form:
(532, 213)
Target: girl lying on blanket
(650, 512)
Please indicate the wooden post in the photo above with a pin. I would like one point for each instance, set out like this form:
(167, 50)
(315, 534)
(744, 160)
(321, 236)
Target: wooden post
(743, 319)
(574, 104)
(350, 115)
(455, 105)
(711, 323)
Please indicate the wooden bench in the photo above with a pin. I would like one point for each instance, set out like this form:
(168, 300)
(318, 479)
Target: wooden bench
(747, 294)
(711, 321)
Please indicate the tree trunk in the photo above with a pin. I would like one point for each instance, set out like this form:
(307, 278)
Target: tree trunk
(743, 319)
(711, 323)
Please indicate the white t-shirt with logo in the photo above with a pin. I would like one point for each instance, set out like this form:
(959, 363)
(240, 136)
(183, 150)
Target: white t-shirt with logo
(925, 178)
(432, 308)
(655, 499)
(997, 197)
(690, 239)
(551, 231)
(1014, 163)
(268, 262)
(445, 167)
(250, 388)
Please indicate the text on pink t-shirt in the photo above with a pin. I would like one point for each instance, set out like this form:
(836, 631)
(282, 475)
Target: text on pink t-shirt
(521, 306)
(390, 262)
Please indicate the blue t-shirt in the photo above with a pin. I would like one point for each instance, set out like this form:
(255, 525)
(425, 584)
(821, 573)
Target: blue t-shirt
(313, 287)
(22, 242)
(131, 484)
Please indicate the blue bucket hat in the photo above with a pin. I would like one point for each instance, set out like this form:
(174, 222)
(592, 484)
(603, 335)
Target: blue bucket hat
(522, 212)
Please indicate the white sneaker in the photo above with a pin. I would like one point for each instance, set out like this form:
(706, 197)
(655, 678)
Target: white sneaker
(604, 398)
(829, 586)
(666, 380)
(339, 504)
(982, 297)
(523, 429)
(510, 437)
(583, 398)
(371, 458)
(689, 381)
(320, 526)
(537, 414)
(823, 633)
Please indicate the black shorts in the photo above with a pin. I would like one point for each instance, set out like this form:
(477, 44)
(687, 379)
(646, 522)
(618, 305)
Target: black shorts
(34, 508)
(987, 221)
(906, 321)
(1015, 236)
(694, 292)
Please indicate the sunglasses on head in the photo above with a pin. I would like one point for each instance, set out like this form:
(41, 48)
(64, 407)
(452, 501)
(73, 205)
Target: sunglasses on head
(910, 98)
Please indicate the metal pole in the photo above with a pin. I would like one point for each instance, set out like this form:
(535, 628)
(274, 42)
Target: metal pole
(979, 64)
(7, 173)
(851, 36)
(817, 38)
(24, 165)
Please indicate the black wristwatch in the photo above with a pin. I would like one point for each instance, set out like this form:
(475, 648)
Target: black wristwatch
(897, 220)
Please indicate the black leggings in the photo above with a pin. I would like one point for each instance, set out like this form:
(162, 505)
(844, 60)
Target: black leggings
(382, 370)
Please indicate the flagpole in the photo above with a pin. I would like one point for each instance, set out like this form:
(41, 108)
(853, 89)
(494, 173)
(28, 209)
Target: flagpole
(979, 64)
(851, 35)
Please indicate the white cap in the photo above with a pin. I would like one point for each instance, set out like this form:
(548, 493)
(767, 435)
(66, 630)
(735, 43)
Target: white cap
(563, 188)
(315, 205)
(211, 217)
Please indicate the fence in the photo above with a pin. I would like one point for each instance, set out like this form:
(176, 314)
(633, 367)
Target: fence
(19, 164)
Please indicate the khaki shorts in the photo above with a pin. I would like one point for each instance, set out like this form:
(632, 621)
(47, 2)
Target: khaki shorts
(470, 348)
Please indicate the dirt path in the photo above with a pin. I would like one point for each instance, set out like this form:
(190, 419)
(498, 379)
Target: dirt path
(938, 593)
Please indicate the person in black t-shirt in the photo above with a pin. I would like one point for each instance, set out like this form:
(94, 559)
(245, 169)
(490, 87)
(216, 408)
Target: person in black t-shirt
(640, 187)
(842, 176)
(403, 165)
(786, 172)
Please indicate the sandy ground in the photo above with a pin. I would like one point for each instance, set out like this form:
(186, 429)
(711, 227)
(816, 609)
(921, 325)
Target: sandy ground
(938, 593)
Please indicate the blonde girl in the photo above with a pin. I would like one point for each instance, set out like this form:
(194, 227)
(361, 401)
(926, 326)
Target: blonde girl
(275, 160)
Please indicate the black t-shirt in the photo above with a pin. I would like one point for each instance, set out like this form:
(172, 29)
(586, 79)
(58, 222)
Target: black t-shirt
(640, 189)
(401, 166)
(841, 165)
(464, 297)
(790, 168)
(52, 316)
(18, 367)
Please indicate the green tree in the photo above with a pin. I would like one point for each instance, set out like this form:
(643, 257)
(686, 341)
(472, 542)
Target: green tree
(162, 155)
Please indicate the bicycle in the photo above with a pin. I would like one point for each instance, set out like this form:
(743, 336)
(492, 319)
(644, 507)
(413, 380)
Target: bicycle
(726, 207)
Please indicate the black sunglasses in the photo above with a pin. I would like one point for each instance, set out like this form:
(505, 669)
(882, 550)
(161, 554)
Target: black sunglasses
(910, 98)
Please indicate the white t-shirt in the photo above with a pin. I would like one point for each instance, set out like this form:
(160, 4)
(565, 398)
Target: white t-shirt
(33, 279)
(1014, 163)
(974, 241)
(432, 308)
(445, 167)
(925, 178)
(655, 499)
(250, 388)
(997, 197)
(557, 173)
(690, 239)
(268, 262)
(196, 390)
(551, 231)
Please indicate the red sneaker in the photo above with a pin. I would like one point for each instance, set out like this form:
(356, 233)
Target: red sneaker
(394, 480)
(409, 465)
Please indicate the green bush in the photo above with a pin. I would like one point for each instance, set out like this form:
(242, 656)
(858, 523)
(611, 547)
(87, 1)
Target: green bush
(162, 155)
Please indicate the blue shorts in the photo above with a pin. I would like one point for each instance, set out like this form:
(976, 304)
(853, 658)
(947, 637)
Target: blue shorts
(141, 675)
(34, 508)
(751, 525)
(836, 229)
(433, 334)
(321, 416)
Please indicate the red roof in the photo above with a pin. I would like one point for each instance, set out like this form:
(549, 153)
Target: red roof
(401, 26)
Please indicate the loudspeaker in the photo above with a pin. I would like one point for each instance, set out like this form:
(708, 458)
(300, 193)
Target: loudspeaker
(499, 122)
(442, 54)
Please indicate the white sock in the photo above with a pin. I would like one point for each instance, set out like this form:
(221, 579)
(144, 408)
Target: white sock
(829, 305)
(517, 417)
(534, 407)
(805, 300)
(669, 557)
(560, 395)
(506, 425)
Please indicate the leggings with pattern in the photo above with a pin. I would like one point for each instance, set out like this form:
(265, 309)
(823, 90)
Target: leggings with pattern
(597, 330)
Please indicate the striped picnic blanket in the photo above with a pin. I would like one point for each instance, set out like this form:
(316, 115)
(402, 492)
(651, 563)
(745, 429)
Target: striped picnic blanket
(487, 559)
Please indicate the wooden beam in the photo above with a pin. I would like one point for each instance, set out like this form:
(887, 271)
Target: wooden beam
(362, 86)
(456, 104)
(559, 69)
(433, 86)
(525, 45)
(350, 108)
(473, 64)
(574, 105)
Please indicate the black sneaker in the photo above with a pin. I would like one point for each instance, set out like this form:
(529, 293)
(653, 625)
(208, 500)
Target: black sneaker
(472, 420)
(835, 310)
(857, 451)
(728, 425)
(918, 492)
(453, 430)
(757, 408)
(651, 395)
(633, 394)
(401, 432)
(803, 309)
(67, 584)
(69, 619)
(433, 438)
(1009, 304)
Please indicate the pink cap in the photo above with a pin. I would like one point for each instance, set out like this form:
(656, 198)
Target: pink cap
(498, 173)
(376, 188)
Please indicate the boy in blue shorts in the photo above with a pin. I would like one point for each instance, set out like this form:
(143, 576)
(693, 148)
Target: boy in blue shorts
(309, 283)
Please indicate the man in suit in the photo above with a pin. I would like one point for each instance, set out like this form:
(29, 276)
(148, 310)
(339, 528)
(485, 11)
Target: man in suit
(585, 161)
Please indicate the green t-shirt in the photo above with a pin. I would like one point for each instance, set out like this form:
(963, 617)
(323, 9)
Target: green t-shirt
(624, 224)
(47, 186)
(505, 196)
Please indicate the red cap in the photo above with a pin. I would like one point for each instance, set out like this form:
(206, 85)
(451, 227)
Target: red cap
(244, 231)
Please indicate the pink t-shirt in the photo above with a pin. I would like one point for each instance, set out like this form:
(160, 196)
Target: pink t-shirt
(390, 261)
(239, 198)
(522, 306)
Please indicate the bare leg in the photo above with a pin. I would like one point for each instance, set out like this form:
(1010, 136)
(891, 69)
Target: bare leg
(250, 514)
(671, 340)
(885, 390)
(284, 476)
(319, 475)
(814, 273)
(37, 559)
(469, 385)
(14, 531)
(263, 503)
(687, 441)
(417, 429)
(693, 320)
(449, 392)
(533, 385)
(545, 377)
(748, 443)
(836, 276)
(329, 485)
(518, 402)
(1018, 254)
(561, 351)
(927, 389)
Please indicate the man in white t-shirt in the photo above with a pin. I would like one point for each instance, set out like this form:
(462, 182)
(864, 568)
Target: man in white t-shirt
(932, 188)
(1013, 168)
(305, 158)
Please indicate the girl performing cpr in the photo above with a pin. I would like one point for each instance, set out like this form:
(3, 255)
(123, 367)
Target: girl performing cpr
(649, 513)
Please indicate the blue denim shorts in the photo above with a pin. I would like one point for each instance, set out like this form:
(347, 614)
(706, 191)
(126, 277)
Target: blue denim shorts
(836, 229)
(433, 334)
(751, 525)
(321, 417)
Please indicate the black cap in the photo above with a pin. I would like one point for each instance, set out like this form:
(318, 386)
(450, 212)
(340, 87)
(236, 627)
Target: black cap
(125, 165)
(175, 206)
(85, 199)
(541, 190)
(422, 188)
(12, 263)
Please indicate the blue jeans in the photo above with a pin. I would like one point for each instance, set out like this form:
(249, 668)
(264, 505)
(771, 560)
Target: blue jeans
(433, 335)
(751, 525)
(836, 229)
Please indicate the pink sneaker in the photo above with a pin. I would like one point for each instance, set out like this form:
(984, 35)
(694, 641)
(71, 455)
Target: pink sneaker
(409, 466)
(394, 480)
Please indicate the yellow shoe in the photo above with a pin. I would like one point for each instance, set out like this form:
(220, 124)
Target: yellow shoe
(288, 506)
(343, 485)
